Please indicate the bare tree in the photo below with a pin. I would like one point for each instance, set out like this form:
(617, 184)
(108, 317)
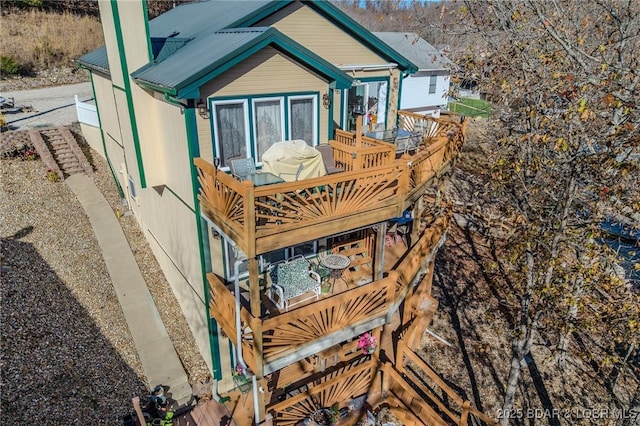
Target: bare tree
(564, 75)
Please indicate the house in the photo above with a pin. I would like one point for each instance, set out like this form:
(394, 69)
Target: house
(186, 98)
(425, 91)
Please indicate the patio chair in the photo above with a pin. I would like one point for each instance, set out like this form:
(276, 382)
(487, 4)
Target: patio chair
(242, 167)
(293, 279)
(327, 158)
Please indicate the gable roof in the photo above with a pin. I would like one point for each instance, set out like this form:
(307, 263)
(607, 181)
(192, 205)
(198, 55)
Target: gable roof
(346, 23)
(186, 34)
(171, 76)
(418, 50)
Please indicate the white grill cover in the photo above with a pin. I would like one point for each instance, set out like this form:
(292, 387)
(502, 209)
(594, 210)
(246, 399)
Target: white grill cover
(284, 158)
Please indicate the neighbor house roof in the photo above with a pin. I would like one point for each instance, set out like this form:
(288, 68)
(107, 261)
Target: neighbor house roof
(417, 50)
(191, 42)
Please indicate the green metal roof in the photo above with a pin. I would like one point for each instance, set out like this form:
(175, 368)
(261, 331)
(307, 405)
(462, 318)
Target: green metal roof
(96, 60)
(197, 41)
(232, 46)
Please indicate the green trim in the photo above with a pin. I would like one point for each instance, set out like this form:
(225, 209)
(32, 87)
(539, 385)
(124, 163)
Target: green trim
(115, 86)
(156, 87)
(104, 143)
(401, 77)
(341, 108)
(93, 68)
(249, 99)
(194, 152)
(145, 13)
(352, 27)
(128, 93)
(330, 112)
(282, 43)
(340, 19)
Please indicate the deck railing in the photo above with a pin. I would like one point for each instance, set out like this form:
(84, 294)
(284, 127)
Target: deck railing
(439, 393)
(337, 390)
(421, 252)
(361, 154)
(289, 334)
(271, 343)
(266, 218)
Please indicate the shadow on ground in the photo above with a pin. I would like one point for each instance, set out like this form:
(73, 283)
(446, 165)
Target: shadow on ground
(56, 365)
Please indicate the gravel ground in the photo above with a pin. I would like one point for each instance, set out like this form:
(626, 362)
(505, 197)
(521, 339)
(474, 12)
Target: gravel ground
(67, 355)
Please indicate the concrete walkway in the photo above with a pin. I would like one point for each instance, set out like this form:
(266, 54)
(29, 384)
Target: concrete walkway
(157, 354)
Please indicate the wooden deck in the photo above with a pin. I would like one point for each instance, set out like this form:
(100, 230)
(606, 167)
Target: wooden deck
(375, 187)
(210, 413)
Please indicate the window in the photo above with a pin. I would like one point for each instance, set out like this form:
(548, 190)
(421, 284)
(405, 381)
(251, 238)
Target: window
(243, 132)
(230, 130)
(432, 84)
(372, 95)
(302, 119)
(132, 188)
(269, 124)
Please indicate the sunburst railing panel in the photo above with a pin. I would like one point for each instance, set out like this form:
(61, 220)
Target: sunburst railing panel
(290, 330)
(337, 388)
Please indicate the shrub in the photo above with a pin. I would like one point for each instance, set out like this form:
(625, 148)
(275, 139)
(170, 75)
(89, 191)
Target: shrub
(8, 65)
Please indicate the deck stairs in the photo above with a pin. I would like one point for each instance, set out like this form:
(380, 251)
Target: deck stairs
(60, 152)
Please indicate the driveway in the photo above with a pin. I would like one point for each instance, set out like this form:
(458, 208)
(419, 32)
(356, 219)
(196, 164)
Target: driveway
(52, 106)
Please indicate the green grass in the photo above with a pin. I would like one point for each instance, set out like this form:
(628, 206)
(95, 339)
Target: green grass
(471, 107)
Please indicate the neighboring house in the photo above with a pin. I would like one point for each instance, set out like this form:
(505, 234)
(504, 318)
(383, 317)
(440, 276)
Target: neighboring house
(181, 97)
(425, 91)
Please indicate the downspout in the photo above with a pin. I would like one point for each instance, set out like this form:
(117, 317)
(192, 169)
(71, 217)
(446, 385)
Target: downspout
(256, 405)
(236, 287)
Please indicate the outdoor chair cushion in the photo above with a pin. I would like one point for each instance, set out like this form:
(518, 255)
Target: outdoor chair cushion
(294, 278)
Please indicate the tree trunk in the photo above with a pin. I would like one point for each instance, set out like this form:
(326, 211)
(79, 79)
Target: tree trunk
(572, 313)
(512, 383)
(521, 343)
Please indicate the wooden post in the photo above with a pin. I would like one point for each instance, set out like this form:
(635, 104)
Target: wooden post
(358, 131)
(262, 392)
(256, 327)
(138, 410)
(379, 259)
(254, 288)
(249, 218)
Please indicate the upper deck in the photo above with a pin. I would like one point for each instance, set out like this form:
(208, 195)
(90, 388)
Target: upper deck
(375, 187)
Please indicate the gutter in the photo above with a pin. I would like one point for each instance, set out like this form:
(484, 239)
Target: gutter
(371, 67)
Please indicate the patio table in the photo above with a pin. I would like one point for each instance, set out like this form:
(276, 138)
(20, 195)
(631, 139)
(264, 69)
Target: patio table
(336, 263)
(404, 140)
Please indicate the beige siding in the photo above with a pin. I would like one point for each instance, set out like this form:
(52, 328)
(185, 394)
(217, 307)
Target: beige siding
(265, 73)
(334, 45)
(163, 143)
(317, 34)
(106, 104)
(170, 227)
(108, 29)
(134, 33)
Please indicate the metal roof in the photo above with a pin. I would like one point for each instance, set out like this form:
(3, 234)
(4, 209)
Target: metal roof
(96, 60)
(232, 46)
(417, 50)
(192, 20)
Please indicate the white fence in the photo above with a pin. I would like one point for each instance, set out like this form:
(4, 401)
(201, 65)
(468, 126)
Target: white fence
(87, 113)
